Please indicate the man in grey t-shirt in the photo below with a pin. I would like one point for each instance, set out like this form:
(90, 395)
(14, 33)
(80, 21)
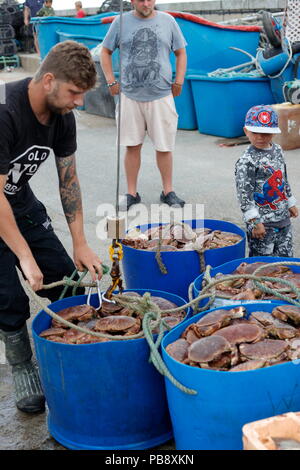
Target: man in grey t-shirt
(147, 91)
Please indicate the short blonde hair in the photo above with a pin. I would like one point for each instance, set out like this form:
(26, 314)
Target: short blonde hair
(78, 4)
(69, 61)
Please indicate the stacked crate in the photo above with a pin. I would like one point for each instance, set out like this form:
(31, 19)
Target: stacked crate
(8, 46)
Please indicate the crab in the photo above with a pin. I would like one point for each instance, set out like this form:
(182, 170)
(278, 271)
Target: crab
(269, 350)
(241, 333)
(52, 332)
(164, 304)
(117, 324)
(274, 327)
(109, 308)
(213, 321)
(249, 365)
(287, 313)
(73, 314)
(268, 270)
(294, 349)
(207, 352)
(178, 350)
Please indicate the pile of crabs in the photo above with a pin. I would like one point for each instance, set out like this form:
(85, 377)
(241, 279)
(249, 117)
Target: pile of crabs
(179, 236)
(111, 319)
(245, 289)
(226, 340)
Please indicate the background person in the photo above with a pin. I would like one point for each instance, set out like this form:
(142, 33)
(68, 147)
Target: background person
(263, 189)
(31, 7)
(147, 90)
(80, 13)
(47, 9)
(35, 119)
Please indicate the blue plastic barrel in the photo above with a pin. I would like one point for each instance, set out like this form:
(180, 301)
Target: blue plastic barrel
(89, 41)
(141, 269)
(228, 268)
(102, 395)
(221, 103)
(48, 27)
(213, 419)
(185, 107)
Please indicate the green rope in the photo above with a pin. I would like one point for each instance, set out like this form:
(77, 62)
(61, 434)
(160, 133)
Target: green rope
(155, 356)
(152, 314)
(67, 280)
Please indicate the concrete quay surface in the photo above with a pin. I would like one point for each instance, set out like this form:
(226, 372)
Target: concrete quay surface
(203, 175)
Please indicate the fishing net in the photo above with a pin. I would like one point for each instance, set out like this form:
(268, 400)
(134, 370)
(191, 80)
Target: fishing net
(291, 22)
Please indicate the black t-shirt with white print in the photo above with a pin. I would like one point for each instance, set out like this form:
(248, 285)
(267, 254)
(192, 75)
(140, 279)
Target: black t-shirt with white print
(25, 144)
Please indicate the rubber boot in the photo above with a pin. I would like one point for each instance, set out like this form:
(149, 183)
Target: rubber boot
(27, 385)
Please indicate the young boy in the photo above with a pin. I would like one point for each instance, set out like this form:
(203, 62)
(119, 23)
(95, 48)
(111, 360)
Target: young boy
(47, 9)
(262, 186)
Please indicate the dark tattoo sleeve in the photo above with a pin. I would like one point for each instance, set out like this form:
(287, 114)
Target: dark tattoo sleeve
(69, 187)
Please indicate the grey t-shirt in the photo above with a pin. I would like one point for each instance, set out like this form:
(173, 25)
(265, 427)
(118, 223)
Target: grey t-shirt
(146, 47)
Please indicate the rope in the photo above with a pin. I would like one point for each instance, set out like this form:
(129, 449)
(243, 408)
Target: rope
(155, 356)
(162, 266)
(152, 314)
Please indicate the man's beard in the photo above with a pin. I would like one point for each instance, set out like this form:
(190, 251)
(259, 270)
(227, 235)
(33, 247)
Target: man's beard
(51, 103)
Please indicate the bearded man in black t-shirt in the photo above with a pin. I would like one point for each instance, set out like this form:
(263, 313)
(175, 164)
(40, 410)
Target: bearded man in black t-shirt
(35, 119)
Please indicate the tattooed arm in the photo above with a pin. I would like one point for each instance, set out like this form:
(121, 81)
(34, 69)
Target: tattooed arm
(84, 257)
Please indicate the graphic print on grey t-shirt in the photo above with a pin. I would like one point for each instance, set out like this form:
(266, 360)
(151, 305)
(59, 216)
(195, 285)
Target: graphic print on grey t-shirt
(143, 68)
(23, 167)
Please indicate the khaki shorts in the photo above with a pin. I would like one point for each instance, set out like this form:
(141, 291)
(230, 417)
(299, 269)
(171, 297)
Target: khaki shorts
(157, 118)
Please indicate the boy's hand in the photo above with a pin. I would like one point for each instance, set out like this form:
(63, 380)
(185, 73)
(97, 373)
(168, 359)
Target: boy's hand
(259, 231)
(293, 211)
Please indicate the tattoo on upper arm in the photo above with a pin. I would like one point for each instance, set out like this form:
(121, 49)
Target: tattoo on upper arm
(69, 187)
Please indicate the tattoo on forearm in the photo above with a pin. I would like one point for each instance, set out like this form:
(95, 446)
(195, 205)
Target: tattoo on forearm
(69, 187)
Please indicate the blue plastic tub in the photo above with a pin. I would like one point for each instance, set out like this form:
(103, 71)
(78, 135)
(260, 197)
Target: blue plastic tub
(228, 268)
(141, 268)
(213, 419)
(47, 29)
(89, 41)
(185, 107)
(102, 395)
(221, 103)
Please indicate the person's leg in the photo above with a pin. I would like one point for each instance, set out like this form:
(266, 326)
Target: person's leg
(165, 165)
(162, 119)
(14, 311)
(261, 247)
(284, 243)
(36, 42)
(53, 260)
(132, 134)
(132, 163)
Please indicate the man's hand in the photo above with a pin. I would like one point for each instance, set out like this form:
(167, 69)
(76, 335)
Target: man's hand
(293, 211)
(85, 258)
(259, 231)
(115, 89)
(32, 272)
(176, 89)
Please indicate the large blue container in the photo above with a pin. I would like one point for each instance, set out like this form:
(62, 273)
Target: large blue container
(102, 395)
(185, 107)
(222, 102)
(208, 44)
(47, 29)
(228, 268)
(89, 41)
(141, 268)
(213, 419)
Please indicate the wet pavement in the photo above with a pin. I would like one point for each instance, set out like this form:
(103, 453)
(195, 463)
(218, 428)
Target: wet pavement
(203, 174)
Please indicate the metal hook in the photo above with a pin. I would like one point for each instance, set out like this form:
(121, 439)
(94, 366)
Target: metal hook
(98, 292)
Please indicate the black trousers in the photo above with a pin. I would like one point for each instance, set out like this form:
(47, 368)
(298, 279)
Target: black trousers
(52, 259)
